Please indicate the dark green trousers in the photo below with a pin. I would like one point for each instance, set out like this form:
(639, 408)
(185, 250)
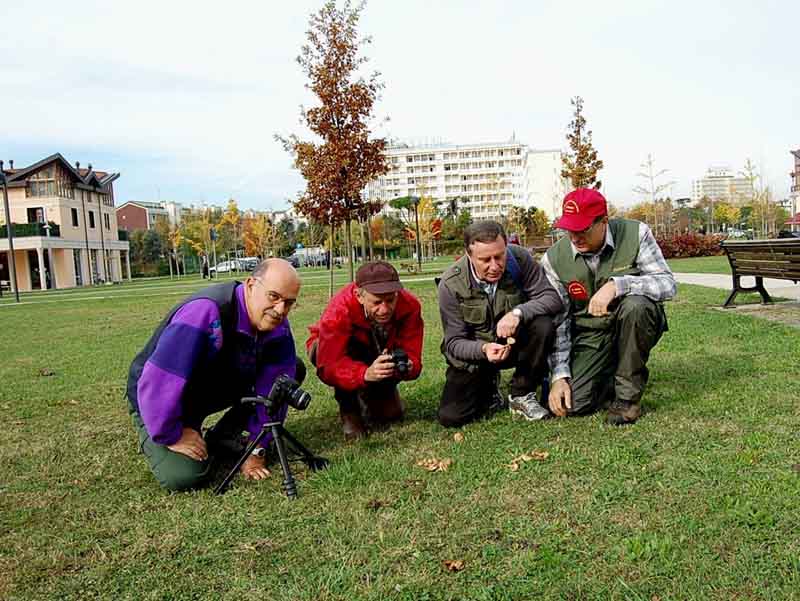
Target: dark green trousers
(615, 365)
(177, 472)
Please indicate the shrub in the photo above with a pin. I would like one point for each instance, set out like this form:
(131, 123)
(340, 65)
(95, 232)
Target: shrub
(681, 246)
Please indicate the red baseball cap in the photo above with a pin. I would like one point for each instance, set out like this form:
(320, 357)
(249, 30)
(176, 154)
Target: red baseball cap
(580, 208)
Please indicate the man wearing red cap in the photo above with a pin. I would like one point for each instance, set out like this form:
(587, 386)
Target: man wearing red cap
(613, 279)
(353, 343)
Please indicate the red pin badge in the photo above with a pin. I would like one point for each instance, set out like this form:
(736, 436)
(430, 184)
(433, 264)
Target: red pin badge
(577, 291)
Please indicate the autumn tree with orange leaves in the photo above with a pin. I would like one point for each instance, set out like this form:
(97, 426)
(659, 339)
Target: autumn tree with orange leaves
(340, 167)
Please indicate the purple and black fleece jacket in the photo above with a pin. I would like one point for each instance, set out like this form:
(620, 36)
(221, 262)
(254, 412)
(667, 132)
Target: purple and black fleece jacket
(191, 340)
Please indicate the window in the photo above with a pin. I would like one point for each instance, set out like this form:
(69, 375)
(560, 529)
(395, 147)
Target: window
(91, 219)
(35, 215)
(74, 213)
(107, 221)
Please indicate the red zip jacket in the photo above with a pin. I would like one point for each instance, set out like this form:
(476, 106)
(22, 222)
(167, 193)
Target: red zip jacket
(344, 318)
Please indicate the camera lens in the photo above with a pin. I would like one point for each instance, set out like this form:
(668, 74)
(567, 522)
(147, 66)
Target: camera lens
(300, 399)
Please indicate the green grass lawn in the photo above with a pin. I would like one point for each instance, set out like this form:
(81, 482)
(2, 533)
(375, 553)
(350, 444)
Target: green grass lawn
(696, 501)
(701, 265)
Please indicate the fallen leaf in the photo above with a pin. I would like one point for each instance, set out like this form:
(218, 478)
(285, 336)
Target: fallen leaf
(376, 504)
(435, 465)
(458, 437)
(532, 456)
(72, 402)
(46, 372)
(796, 467)
(454, 565)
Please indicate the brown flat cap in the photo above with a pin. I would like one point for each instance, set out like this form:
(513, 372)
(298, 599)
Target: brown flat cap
(378, 277)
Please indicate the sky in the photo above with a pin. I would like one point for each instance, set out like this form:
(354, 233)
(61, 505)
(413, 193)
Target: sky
(183, 99)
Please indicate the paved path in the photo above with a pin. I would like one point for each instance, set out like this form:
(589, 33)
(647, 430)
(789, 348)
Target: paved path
(777, 288)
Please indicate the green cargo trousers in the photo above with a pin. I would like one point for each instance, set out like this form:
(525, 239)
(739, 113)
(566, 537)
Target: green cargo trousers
(177, 472)
(614, 364)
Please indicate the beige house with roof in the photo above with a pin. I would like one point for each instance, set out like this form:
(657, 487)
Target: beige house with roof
(64, 227)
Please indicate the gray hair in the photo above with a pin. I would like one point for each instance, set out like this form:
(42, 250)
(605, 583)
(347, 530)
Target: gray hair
(483, 231)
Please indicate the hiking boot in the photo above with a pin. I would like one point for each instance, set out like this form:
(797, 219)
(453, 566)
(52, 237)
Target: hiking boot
(528, 407)
(352, 426)
(498, 403)
(621, 413)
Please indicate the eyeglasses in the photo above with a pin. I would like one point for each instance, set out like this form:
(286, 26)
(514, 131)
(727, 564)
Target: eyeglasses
(585, 232)
(275, 298)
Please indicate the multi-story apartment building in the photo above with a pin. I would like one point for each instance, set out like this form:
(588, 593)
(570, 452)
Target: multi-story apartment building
(64, 226)
(719, 183)
(794, 192)
(486, 179)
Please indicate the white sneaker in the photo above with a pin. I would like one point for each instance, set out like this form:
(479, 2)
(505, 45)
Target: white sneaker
(528, 407)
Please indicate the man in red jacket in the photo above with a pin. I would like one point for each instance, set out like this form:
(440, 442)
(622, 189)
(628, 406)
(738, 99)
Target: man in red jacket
(352, 345)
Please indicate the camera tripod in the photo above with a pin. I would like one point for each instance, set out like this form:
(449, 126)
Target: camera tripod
(314, 462)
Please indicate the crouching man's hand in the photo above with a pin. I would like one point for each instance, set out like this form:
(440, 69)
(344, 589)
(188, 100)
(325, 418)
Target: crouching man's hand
(255, 468)
(496, 353)
(190, 444)
(560, 399)
(381, 368)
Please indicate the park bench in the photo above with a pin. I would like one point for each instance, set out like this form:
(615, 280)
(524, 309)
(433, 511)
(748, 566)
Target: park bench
(409, 267)
(777, 259)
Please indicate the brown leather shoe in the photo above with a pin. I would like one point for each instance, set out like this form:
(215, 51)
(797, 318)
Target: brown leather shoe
(352, 426)
(621, 413)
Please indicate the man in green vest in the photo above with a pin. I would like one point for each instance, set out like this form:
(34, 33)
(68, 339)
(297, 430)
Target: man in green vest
(497, 311)
(613, 280)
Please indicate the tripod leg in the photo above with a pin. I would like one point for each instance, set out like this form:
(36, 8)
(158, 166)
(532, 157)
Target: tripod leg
(224, 484)
(289, 485)
(314, 462)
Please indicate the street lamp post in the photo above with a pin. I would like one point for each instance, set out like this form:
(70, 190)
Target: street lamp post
(415, 202)
(12, 263)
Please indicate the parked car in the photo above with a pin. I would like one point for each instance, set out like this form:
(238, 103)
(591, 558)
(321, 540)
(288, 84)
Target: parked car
(223, 267)
(248, 263)
(294, 260)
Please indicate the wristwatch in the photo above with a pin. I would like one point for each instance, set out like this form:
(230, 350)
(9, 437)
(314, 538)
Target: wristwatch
(259, 452)
(517, 311)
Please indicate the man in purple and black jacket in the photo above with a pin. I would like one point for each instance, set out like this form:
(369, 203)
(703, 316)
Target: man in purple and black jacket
(223, 343)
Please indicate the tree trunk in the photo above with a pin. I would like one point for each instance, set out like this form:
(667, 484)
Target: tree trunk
(369, 238)
(331, 261)
(348, 241)
(363, 241)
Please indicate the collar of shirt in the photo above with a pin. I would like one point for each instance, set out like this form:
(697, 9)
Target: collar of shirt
(487, 287)
(608, 242)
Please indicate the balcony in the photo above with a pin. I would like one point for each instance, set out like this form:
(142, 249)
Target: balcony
(26, 230)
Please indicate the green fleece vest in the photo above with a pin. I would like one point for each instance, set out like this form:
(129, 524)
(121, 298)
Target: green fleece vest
(617, 261)
(479, 312)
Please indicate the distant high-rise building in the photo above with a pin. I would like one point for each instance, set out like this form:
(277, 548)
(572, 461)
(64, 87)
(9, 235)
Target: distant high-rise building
(794, 191)
(486, 179)
(719, 183)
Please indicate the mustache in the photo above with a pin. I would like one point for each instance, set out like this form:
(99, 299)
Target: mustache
(274, 315)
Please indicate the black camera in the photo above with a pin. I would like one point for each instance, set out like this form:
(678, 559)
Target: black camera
(401, 362)
(285, 391)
